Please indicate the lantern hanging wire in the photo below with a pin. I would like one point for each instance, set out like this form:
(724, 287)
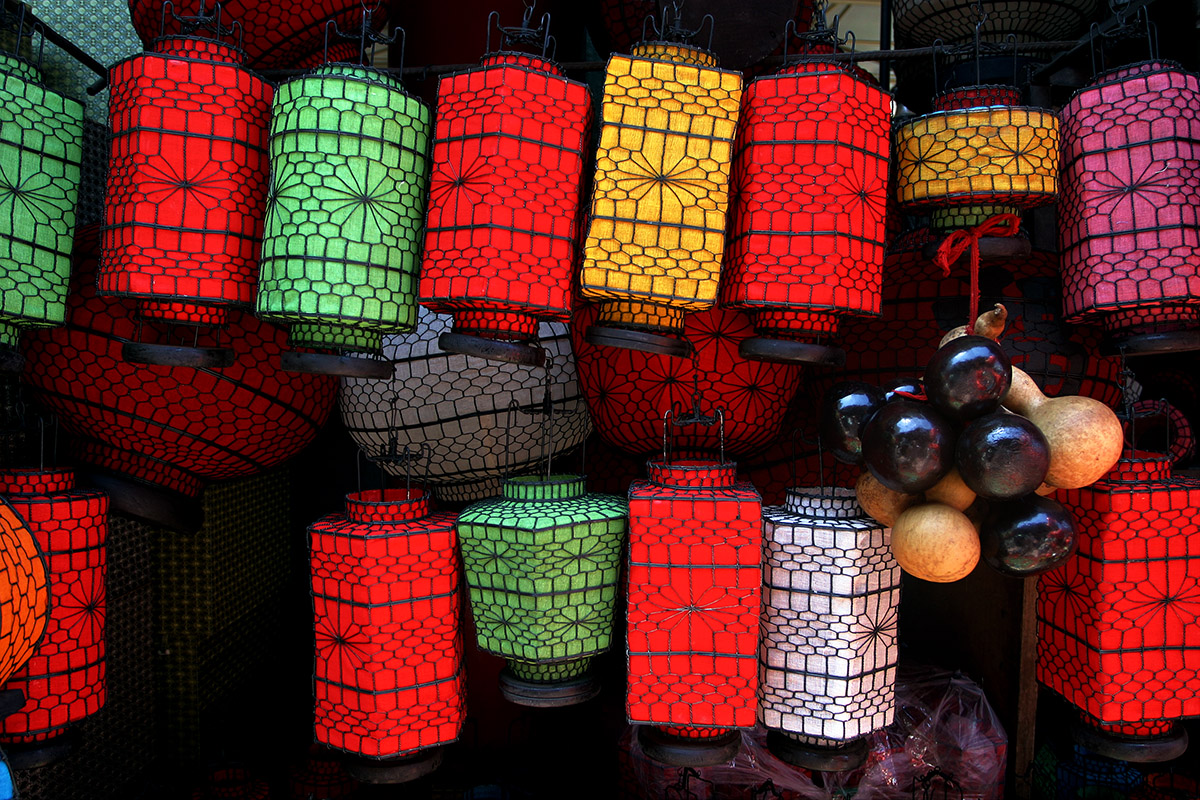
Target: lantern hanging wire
(675, 417)
(524, 37)
(1128, 27)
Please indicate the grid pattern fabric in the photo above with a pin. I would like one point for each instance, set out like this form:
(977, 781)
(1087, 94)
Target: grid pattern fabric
(541, 563)
(389, 654)
(919, 23)
(1128, 224)
(661, 190)
(510, 141)
(24, 592)
(1117, 623)
(831, 592)
(457, 406)
(810, 172)
(695, 585)
(64, 680)
(342, 234)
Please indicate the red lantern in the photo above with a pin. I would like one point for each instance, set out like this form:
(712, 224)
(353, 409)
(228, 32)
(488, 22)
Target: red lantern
(64, 680)
(389, 679)
(695, 546)
(500, 240)
(1127, 216)
(187, 188)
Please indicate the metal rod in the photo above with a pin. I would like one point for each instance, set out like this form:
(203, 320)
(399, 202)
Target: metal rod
(885, 42)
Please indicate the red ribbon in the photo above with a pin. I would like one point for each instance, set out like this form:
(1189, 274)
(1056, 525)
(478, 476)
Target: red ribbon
(957, 243)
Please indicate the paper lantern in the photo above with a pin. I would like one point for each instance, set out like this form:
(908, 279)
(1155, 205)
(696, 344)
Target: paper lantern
(187, 189)
(40, 151)
(811, 175)
(509, 146)
(977, 155)
(1116, 623)
(64, 679)
(1128, 226)
(24, 592)
(541, 562)
(695, 546)
(657, 231)
(920, 23)
(457, 408)
(389, 681)
(343, 228)
(827, 660)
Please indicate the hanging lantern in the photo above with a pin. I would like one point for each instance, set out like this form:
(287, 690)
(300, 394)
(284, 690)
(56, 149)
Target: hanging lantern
(187, 189)
(64, 680)
(695, 546)
(388, 679)
(920, 23)
(509, 146)
(811, 175)
(1127, 218)
(343, 227)
(40, 153)
(541, 561)
(25, 597)
(477, 420)
(827, 660)
(657, 230)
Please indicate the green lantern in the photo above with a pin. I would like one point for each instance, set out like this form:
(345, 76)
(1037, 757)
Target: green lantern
(342, 241)
(541, 562)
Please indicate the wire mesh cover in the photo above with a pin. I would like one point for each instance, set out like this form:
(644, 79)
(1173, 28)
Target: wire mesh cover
(24, 594)
(64, 680)
(187, 181)
(1116, 623)
(810, 173)
(1128, 224)
(40, 152)
(541, 562)
(172, 426)
(389, 674)
(509, 146)
(343, 228)
(831, 589)
(628, 391)
(458, 407)
(919, 23)
(657, 231)
(695, 548)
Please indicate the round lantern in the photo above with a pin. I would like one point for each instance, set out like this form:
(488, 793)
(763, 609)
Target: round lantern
(827, 660)
(510, 140)
(477, 420)
(24, 592)
(170, 427)
(541, 562)
(695, 546)
(657, 221)
(920, 23)
(1116, 622)
(343, 228)
(187, 189)
(807, 240)
(64, 680)
(388, 676)
(1127, 219)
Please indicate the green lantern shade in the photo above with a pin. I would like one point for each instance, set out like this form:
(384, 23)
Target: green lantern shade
(541, 562)
(342, 241)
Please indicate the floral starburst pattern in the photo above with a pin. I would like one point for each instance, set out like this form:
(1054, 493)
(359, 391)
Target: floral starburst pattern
(669, 185)
(364, 199)
(166, 184)
(342, 646)
(82, 609)
(32, 194)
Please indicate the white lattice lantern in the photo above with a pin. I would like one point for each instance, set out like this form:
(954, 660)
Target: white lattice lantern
(827, 658)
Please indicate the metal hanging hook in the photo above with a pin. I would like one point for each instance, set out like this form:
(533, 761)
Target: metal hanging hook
(524, 37)
(366, 35)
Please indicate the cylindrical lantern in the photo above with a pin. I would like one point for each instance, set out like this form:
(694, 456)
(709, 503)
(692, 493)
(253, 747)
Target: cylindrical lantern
(541, 562)
(657, 232)
(40, 152)
(187, 189)
(810, 173)
(510, 140)
(827, 660)
(64, 680)
(1116, 623)
(388, 677)
(695, 548)
(1128, 219)
(343, 229)
(24, 592)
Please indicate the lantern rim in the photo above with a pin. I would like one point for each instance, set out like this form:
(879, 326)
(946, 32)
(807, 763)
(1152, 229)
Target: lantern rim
(1126, 71)
(541, 488)
(233, 48)
(348, 70)
(515, 58)
(648, 44)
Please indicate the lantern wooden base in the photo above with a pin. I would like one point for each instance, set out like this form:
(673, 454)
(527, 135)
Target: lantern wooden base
(167, 355)
(1134, 749)
(148, 503)
(821, 758)
(528, 355)
(550, 694)
(656, 343)
(329, 364)
(31, 755)
(1144, 344)
(400, 769)
(791, 352)
(677, 751)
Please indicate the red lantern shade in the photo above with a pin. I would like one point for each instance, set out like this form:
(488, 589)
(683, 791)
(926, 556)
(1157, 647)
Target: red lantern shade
(64, 680)
(1128, 226)
(695, 546)
(385, 589)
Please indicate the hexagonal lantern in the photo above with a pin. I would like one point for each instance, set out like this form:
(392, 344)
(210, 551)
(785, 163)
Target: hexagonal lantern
(541, 562)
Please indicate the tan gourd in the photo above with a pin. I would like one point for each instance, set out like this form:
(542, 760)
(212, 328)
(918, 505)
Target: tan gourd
(952, 491)
(935, 542)
(990, 324)
(881, 503)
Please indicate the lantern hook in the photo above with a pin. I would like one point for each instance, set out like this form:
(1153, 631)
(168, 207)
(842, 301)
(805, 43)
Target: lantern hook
(366, 35)
(524, 37)
(1125, 28)
(202, 21)
(15, 22)
(672, 28)
(819, 34)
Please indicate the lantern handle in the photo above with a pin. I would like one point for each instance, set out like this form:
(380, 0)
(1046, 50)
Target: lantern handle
(819, 33)
(926, 782)
(509, 419)
(22, 31)
(366, 35)
(1124, 29)
(548, 424)
(523, 36)
(673, 29)
(202, 21)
